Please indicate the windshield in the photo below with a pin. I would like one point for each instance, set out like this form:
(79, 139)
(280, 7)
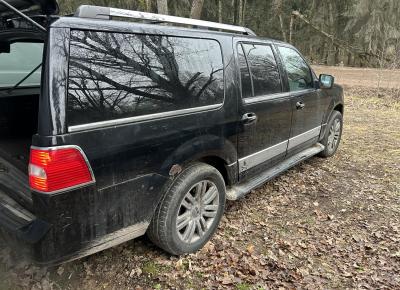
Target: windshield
(21, 60)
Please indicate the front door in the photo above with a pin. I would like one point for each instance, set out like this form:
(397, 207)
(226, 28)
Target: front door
(307, 104)
(265, 110)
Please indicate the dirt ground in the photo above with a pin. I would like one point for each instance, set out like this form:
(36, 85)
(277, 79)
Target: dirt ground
(324, 224)
(363, 77)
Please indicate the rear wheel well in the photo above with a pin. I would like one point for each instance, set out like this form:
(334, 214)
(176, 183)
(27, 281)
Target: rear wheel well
(218, 163)
(339, 108)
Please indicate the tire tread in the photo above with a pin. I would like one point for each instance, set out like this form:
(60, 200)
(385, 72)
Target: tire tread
(157, 231)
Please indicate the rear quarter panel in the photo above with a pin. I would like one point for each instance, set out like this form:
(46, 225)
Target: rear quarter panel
(131, 162)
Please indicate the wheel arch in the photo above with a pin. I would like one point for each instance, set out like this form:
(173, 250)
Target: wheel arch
(339, 108)
(333, 107)
(220, 164)
(213, 150)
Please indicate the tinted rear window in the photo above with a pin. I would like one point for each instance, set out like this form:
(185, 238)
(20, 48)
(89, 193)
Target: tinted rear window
(115, 75)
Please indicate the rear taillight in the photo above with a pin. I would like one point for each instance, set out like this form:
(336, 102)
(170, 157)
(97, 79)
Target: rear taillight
(58, 168)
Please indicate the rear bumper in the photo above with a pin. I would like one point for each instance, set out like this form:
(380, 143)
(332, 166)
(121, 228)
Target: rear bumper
(29, 234)
(19, 228)
(83, 221)
(20, 223)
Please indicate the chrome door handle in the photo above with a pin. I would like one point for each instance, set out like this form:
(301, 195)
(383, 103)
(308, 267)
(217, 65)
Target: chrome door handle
(249, 117)
(300, 105)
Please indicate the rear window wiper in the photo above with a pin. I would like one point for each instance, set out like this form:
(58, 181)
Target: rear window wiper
(24, 79)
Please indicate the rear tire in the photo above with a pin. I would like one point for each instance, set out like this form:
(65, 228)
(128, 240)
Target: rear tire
(190, 212)
(333, 134)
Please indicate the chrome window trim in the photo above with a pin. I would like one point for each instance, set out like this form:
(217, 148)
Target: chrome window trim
(301, 56)
(303, 91)
(122, 121)
(71, 187)
(303, 137)
(259, 99)
(261, 156)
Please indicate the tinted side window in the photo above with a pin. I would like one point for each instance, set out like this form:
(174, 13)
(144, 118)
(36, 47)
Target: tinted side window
(115, 75)
(264, 70)
(247, 90)
(299, 74)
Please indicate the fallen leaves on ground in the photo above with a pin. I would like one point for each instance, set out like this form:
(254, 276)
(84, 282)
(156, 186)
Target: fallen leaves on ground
(326, 223)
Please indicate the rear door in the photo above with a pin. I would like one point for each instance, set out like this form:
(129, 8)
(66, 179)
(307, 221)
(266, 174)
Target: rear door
(307, 104)
(265, 110)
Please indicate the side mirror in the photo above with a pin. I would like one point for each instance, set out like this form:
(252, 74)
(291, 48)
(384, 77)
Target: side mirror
(326, 81)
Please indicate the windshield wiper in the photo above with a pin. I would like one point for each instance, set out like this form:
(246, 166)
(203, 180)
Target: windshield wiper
(24, 79)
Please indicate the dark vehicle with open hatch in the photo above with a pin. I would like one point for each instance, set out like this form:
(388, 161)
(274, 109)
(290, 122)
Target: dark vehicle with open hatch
(110, 129)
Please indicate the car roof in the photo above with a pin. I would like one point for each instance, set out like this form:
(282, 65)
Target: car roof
(139, 27)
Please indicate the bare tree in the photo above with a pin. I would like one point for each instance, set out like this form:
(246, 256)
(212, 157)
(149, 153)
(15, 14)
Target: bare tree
(162, 6)
(278, 6)
(197, 7)
(244, 12)
(220, 11)
(240, 12)
(364, 55)
(291, 27)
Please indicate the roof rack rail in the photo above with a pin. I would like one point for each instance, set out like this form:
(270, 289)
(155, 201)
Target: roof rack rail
(99, 12)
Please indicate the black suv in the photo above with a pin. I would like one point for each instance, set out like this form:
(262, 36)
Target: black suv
(137, 127)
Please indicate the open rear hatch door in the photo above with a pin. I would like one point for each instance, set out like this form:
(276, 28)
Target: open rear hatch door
(45, 7)
(25, 14)
(24, 20)
(20, 21)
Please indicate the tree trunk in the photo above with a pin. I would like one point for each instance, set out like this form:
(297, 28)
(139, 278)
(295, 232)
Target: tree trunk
(362, 55)
(197, 7)
(220, 11)
(234, 9)
(349, 63)
(337, 55)
(240, 12)
(162, 6)
(331, 48)
(282, 27)
(244, 12)
(278, 6)
(291, 28)
(310, 52)
(148, 5)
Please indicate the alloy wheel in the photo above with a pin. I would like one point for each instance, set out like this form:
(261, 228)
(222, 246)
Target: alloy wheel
(334, 135)
(197, 211)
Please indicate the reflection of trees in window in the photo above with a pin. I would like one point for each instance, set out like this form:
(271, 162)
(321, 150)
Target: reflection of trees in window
(298, 72)
(266, 79)
(114, 75)
(247, 90)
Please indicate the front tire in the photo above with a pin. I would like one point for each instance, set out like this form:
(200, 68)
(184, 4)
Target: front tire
(190, 211)
(333, 134)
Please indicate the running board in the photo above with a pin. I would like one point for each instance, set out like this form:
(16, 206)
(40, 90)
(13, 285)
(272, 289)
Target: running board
(238, 191)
